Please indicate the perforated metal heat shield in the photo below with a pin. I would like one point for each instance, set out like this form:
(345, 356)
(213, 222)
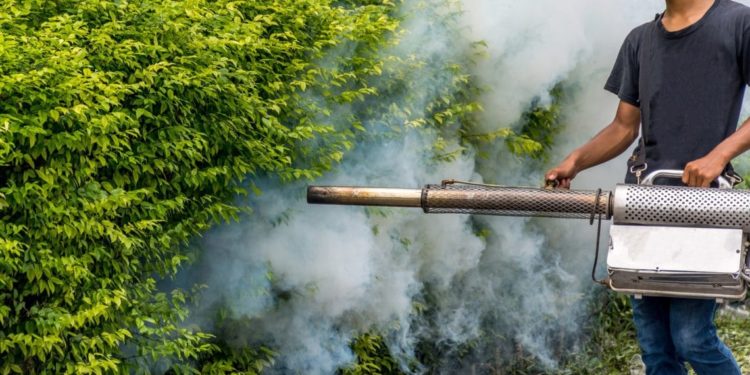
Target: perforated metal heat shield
(681, 206)
(514, 201)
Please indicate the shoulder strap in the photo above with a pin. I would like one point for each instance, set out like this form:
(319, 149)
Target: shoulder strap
(730, 174)
(637, 161)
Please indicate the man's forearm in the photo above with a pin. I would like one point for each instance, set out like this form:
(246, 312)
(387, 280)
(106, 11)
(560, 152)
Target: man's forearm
(607, 144)
(733, 146)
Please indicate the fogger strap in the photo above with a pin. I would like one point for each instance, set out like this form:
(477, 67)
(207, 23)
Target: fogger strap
(598, 238)
(637, 162)
(733, 177)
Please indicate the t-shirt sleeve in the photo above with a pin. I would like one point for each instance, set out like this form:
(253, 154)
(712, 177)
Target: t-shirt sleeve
(623, 80)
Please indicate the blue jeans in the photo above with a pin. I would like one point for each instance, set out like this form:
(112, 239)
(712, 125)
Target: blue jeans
(674, 330)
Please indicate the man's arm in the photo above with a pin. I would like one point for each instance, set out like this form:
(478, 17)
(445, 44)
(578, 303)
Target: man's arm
(608, 143)
(701, 172)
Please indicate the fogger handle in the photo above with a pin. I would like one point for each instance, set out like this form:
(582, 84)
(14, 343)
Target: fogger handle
(677, 175)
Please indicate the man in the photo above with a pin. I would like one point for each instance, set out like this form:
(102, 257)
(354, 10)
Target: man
(682, 76)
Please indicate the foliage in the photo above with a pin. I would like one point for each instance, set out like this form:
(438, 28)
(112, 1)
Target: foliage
(733, 325)
(373, 357)
(611, 347)
(126, 127)
(541, 123)
(535, 133)
(236, 360)
(423, 88)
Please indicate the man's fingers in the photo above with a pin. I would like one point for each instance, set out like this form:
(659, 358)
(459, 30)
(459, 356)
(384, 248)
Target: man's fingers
(703, 181)
(695, 179)
(556, 182)
(691, 177)
(561, 175)
(688, 175)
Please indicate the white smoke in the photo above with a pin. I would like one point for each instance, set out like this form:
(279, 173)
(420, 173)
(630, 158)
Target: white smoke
(344, 270)
(534, 46)
(310, 278)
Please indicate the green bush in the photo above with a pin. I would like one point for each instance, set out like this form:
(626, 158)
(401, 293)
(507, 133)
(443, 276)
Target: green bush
(126, 127)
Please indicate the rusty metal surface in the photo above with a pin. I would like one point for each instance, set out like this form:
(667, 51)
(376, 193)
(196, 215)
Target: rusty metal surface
(364, 196)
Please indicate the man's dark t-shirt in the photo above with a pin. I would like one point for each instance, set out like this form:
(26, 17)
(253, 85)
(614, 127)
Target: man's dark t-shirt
(688, 84)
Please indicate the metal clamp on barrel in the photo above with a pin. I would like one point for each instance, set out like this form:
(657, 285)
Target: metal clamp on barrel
(677, 173)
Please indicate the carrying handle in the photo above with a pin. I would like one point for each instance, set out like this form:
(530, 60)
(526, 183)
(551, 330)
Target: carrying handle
(677, 173)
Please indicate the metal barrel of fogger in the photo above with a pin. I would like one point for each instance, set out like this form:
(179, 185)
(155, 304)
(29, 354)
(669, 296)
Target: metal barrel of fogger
(473, 199)
(627, 204)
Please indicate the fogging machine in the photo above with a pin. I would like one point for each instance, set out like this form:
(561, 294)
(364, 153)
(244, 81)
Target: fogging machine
(672, 241)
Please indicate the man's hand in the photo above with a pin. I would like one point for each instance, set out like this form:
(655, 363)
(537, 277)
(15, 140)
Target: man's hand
(563, 173)
(701, 172)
